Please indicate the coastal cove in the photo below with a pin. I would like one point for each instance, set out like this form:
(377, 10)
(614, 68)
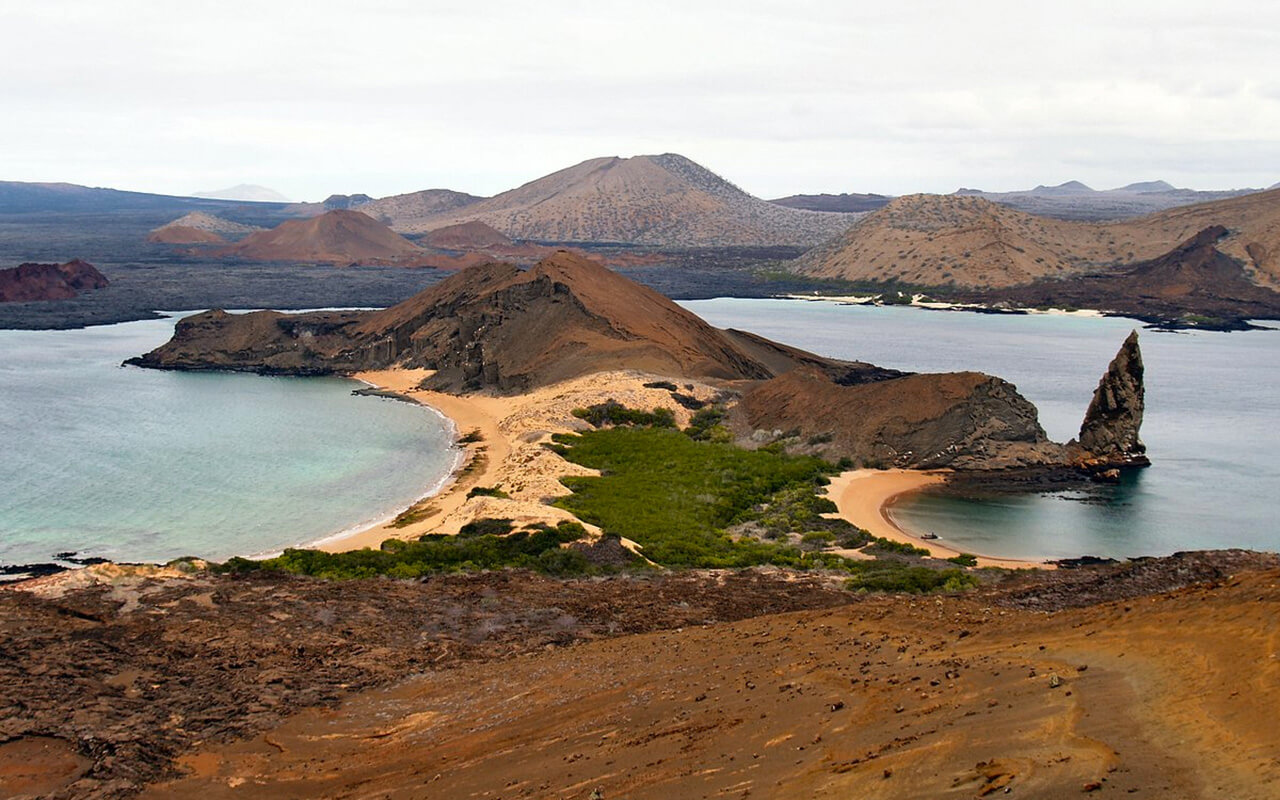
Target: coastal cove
(1212, 399)
(143, 465)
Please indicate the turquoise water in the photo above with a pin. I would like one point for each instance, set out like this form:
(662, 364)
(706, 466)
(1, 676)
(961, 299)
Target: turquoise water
(142, 465)
(1212, 421)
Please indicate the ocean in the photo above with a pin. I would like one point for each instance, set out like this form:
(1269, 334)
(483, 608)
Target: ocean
(141, 465)
(1212, 407)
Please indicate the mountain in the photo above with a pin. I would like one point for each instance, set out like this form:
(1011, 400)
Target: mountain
(1147, 187)
(842, 203)
(30, 282)
(413, 211)
(338, 236)
(662, 200)
(1068, 189)
(1073, 200)
(967, 241)
(40, 198)
(498, 329)
(245, 192)
(200, 228)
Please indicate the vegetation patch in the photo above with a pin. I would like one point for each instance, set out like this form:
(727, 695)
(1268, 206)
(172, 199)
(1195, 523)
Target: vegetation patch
(611, 412)
(486, 544)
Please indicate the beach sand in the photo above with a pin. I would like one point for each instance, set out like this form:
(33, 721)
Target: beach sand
(864, 497)
(510, 452)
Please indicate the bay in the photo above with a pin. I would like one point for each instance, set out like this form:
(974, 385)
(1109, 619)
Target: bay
(143, 465)
(1212, 410)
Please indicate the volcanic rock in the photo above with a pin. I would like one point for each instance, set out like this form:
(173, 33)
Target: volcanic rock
(960, 420)
(28, 282)
(1110, 427)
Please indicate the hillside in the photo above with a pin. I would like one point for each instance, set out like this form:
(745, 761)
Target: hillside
(662, 200)
(198, 227)
(968, 241)
(337, 236)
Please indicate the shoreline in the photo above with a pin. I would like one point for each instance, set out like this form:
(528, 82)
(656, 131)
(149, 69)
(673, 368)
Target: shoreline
(865, 498)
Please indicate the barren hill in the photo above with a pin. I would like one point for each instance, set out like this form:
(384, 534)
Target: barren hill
(968, 241)
(664, 200)
(337, 236)
(411, 212)
(200, 228)
(466, 236)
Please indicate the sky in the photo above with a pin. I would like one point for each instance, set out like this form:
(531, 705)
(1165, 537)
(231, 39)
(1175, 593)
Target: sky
(315, 98)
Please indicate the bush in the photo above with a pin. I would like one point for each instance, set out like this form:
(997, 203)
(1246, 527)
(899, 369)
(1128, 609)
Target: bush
(895, 576)
(487, 491)
(539, 549)
(964, 560)
(611, 412)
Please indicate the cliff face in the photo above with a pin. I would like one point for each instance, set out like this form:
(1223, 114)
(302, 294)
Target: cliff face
(28, 282)
(1110, 428)
(959, 420)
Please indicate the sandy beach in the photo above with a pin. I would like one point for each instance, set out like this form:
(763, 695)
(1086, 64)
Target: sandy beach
(508, 451)
(864, 497)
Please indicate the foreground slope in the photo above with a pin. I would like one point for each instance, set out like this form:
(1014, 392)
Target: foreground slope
(664, 200)
(1155, 678)
(964, 241)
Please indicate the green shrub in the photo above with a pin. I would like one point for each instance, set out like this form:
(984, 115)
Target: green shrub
(611, 412)
(487, 491)
(964, 560)
(895, 576)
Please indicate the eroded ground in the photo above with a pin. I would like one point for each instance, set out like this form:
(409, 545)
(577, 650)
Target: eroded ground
(690, 685)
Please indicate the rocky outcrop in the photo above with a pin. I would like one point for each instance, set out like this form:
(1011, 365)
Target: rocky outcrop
(962, 420)
(29, 282)
(1109, 432)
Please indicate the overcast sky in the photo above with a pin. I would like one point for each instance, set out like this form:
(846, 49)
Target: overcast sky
(317, 97)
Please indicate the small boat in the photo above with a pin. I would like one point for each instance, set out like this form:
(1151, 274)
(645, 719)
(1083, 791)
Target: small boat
(929, 535)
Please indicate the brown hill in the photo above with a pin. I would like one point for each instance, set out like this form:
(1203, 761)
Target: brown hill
(200, 228)
(663, 200)
(472, 235)
(29, 282)
(932, 240)
(338, 236)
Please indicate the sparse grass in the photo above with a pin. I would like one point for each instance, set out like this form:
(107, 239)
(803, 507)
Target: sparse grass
(414, 514)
